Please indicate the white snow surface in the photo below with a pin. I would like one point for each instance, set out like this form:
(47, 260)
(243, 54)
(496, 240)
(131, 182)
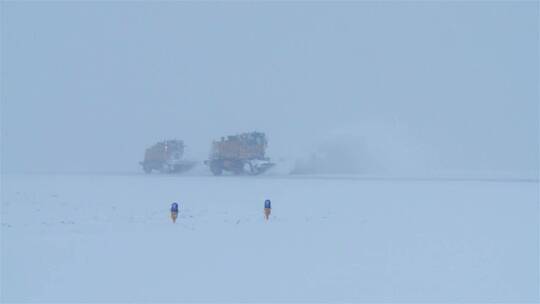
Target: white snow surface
(109, 238)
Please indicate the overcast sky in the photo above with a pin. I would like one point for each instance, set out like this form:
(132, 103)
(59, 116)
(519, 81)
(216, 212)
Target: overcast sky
(438, 85)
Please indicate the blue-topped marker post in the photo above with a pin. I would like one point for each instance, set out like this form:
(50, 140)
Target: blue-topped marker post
(267, 209)
(174, 212)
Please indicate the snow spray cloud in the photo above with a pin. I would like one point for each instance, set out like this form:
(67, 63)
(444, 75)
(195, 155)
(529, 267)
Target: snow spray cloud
(369, 148)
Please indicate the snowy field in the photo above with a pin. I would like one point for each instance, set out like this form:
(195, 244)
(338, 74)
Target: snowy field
(109, 238)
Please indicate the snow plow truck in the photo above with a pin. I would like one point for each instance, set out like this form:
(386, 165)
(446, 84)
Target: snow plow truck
(166, 157)
(239, 154)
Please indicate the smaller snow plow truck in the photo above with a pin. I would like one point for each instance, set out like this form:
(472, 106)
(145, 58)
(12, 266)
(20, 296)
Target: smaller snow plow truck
(239, 154)
(166, 157)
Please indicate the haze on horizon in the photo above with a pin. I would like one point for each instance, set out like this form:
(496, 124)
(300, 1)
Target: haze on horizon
(415, 88)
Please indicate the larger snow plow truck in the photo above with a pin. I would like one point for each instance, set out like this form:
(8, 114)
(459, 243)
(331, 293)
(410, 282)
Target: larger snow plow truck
(239, 154)
(166, 157)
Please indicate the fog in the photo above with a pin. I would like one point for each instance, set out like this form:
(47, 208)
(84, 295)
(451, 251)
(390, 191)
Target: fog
(409, 89)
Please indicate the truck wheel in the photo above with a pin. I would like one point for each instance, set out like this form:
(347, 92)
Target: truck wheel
(251, 169)
(238, 167)
(216, 168)
(165, 168)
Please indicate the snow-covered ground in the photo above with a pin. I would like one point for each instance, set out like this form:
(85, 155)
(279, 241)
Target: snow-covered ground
(97, 238)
